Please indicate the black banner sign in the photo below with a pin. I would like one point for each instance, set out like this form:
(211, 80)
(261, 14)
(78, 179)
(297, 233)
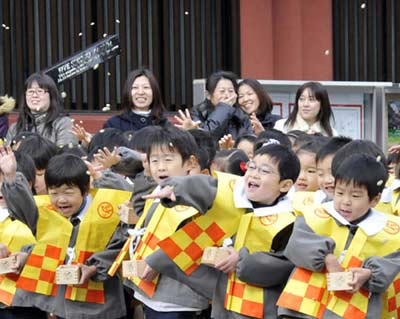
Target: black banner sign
(84, 60)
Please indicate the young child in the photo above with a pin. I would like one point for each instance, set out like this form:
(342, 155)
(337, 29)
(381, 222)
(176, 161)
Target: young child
(170, 153)
(307, 180)
(73, 226)
(14, 235)
(326, 182)
(252, 276)
(346, 234)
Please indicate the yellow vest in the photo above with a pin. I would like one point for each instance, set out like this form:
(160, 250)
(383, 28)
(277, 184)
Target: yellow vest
(14, 235)
(186, 246)
(53, 236)
(306, 291)
(256, 234)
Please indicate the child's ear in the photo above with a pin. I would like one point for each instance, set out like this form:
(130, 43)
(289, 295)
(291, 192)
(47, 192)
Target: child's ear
(285, 185)
(375, 200)
(191, 162)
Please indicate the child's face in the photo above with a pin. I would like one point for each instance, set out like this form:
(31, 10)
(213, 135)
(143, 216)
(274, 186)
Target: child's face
(247, 147)
(262, 180)
(165, 163)
(40, 185)
(307, 180)
(326, 181)
(352, 202)
(66, 199)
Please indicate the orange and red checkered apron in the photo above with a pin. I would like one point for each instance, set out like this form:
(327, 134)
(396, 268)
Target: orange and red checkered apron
(306, 291)
(186, 246)
(53, 237)
(256, 234)
(14, 235)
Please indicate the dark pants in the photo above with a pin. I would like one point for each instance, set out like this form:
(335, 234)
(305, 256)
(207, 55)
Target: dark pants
(153, 314)
(22, 313)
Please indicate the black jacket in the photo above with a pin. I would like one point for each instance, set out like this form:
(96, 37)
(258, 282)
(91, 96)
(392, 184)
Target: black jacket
(222, 119)
(130, 121)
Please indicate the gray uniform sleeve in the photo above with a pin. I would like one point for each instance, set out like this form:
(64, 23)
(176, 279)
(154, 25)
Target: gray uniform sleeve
(105, 258)
(263, 268)
(12, 131)
(112, 180)
(197, 191)
(202, 280)
(20, 202)
(307, 249)
(383, 271)
(130, 163)
(62, 128)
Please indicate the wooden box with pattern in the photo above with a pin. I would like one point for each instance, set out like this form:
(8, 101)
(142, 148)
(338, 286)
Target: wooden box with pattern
(133, 268)
(127, 215)
(6, 264)
(68, 275)
(213, 255)
(339, 280)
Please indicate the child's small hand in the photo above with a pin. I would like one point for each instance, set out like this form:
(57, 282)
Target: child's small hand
(86, 273)
(20, 261)
(107, 158)
(360, 277)
(81, 134)
(256, 124)
(229, 263)
(332, 264)
(165, 192)
(4, 251)
(184, 121)
(149, 273)
(94, 171)
(226, 142)
(8, 163)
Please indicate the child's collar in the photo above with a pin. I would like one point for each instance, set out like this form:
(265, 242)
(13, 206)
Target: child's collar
(241, 201)
(372, 225)
(87, 201)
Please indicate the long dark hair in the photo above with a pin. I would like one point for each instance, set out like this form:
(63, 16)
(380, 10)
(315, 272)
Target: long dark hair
(266, 103)
(157, 106)
(25, 117)
(325, 112)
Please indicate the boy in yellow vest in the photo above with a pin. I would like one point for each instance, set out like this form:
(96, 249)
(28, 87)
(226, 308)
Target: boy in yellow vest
(252, 276)
(170, 153)
(14, 235)
(346, 234)
(72, 226)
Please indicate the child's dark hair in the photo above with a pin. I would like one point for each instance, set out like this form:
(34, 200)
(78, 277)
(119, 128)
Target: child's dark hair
(70, 148)
(245, 137)
(39, 148)
(298, 138)
(271, 134)
(26, 166)
(174, 139)
(206, 147)
(67, 169)
(363, 170)
(357, 147)
(235, 163)
(311, 147)
(333, 145)
(286, 160)
(140, 140)
(108, 137)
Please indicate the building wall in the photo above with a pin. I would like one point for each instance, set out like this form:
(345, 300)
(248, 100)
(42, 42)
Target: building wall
(286, 39)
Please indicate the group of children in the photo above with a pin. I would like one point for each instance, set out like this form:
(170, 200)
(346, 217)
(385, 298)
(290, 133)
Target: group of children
(286, 212)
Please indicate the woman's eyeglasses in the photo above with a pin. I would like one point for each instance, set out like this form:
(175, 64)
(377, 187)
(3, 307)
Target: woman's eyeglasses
(39, 91)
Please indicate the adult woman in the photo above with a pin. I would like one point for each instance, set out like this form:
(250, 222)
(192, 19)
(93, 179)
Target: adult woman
(257, 104)
(312, 112)
(219, 113)
(40, 111)
(141, 103)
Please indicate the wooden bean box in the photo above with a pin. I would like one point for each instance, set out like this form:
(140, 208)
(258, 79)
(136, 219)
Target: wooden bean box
(133, 268)
(127, 215)
(339, 280)
(6, 264)
(213, 255)
(68, 275)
